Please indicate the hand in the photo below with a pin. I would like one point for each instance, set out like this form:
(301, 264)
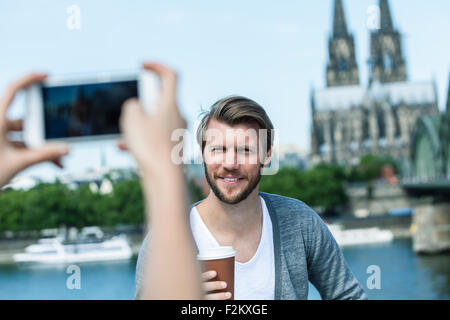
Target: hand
(148, 137)
(15, 156)
(209, 286)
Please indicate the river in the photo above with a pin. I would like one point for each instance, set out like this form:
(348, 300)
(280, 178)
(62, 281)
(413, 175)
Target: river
(403, 275)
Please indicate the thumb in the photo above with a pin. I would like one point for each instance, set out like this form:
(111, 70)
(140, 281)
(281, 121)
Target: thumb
(49, 152)
(131, 111)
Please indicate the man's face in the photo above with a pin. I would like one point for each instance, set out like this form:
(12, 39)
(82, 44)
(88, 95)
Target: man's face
(232, 161)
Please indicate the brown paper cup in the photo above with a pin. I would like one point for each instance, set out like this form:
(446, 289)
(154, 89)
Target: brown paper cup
(221, 260)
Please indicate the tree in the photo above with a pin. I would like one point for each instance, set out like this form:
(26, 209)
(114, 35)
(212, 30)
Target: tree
(370, 166)
(321, 186)
(195, 191)
(325, 186)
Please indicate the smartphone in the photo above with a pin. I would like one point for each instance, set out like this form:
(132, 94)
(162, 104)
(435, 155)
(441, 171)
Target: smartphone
(84, 107)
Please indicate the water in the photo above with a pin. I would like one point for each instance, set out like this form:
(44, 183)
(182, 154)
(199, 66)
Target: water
(404, 275)
(104, 281)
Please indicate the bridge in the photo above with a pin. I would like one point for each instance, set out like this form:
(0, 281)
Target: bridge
(430, 199)
(429, 185)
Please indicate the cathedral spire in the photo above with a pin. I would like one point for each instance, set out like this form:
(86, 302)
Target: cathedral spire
(385, 17)
(342, 69)
(387, 63)
(339, 24)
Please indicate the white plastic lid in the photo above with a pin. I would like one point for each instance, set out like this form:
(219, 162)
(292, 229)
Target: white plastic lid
(216, 253)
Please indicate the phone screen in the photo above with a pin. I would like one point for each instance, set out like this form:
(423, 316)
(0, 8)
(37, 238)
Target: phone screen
(85, 109)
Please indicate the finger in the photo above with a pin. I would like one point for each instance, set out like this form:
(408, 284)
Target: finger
(218, 296)
(122, 145)
(14, 125)
(14, 87)
(208, 275)
(58, 163)
(49, 152)
(213, 285)
(159, 68)
(131, 110)
(168, 79)
(18, 144)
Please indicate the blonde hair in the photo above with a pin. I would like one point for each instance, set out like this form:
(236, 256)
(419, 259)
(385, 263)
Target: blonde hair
(235, 110)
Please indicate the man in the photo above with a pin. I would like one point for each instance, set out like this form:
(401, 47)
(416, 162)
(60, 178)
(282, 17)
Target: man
(280, 242)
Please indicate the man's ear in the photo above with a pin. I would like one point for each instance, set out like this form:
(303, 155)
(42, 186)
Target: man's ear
(267, 159)
(201, 154)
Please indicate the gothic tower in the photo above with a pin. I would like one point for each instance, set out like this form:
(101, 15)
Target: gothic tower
(342, 69)
(386, 59)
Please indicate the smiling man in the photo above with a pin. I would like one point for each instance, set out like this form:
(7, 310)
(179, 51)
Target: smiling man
(280, 242)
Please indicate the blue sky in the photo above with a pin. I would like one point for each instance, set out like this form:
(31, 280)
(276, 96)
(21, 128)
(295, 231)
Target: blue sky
(271, 51)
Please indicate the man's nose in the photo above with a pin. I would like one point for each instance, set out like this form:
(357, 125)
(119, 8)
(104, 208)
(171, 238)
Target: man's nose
(230, 162)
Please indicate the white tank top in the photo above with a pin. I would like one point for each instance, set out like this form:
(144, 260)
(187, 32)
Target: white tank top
(254, 279)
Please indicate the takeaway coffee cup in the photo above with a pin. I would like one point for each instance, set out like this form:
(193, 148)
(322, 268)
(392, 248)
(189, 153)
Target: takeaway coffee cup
(221, 260)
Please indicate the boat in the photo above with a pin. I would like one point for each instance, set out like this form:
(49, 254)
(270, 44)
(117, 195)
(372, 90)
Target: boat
(90, 247)
(351, 237)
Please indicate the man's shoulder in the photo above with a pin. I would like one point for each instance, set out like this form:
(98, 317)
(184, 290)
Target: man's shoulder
(289, 211)
(285, 205)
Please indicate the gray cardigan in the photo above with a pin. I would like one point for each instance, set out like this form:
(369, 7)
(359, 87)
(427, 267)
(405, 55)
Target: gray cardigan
(304, 249)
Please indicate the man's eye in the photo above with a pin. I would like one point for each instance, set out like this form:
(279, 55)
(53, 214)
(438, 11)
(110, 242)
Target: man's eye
(244, 150)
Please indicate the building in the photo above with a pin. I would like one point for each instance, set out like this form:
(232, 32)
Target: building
(350, 120)
(431, 147)
(291, 156)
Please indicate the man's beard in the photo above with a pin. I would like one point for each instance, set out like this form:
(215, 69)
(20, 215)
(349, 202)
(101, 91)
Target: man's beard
(252, 183)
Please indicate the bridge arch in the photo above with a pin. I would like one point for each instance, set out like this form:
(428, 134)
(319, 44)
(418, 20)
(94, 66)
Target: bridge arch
(427, 148)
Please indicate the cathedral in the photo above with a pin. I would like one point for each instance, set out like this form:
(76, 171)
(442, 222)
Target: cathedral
(350, 120)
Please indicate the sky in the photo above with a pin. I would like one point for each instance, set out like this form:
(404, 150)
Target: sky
(273, 52)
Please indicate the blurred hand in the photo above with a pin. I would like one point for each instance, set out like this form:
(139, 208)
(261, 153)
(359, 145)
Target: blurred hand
(15, 156)
(148, 137)
(209, 286)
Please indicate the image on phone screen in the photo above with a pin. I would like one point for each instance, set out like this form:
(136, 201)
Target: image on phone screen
(85, 110)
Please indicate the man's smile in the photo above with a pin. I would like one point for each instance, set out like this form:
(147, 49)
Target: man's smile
(230, 180)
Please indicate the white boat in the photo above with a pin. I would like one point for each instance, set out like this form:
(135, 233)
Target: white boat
(352, 237)
(56, 250)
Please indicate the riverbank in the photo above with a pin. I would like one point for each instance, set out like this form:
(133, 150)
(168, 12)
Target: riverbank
(9, 247)
(399, 225)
